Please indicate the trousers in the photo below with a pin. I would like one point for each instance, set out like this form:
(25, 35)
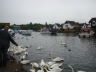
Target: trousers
(3, 56)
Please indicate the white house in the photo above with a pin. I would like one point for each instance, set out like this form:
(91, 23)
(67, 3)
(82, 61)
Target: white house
(86, 25)
(55, 26)
(70, 25)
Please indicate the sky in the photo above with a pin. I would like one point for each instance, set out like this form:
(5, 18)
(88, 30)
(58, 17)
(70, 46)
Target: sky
(50, 11)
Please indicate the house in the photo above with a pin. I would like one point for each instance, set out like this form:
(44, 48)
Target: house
(86, 27)
(93, 22)
(71, 25)
(86, 31)
(56, 26)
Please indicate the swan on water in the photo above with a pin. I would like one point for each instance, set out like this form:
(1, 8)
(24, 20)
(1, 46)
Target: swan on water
(35, 65)
(50, 63)
(55, 69)
(71, 68)
(42, 63)
(32, 70)
(39, 48)
(65, 44)
(58, 59)
(81, 71)
(25, 53)
(56, 65)
(25, 61)
(22, 57)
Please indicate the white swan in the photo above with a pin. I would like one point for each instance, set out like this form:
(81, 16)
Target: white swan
(81, 71)
(55, 69)
(19, 49)
(25, 53)
(65, 44)
(58, 59)
(35, 65)
(39, 48)
(71, 68)
(50, 63)
(56, 65)
(32, 70)
(42, 63)
(22, 57)
(25, 61)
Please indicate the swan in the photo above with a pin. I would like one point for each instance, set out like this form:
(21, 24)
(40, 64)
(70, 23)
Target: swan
(42, 63)
(56, 65)
(39, 48)
(50, 63)
(81, 71)
(35, 65)
(19, 49)
(65, 44)
(25, 61)
(32, 70)
(58, 59)
(25, 53)
(22, 57)
(71, 68)
(40, 71)
(56, 69)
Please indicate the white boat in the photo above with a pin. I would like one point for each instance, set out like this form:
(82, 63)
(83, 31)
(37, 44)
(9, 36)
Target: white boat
(85, 34)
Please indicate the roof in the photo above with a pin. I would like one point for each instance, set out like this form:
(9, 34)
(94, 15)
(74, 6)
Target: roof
(92, 19)
(73, 23)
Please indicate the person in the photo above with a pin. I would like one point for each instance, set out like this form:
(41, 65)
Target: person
(5, 39)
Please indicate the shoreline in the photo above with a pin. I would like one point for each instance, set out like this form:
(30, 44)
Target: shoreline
(13, 66)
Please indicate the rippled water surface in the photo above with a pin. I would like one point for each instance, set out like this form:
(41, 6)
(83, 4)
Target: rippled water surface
(82, 55)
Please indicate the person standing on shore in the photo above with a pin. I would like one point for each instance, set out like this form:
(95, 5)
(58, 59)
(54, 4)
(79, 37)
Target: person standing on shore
(5, 39)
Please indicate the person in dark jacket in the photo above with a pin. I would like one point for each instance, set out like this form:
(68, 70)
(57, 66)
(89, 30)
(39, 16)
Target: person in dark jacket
(5, 39)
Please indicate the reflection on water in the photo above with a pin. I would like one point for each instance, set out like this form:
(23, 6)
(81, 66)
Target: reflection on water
(81, 56)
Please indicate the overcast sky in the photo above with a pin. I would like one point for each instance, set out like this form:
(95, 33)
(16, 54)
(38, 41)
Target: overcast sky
(50, 11)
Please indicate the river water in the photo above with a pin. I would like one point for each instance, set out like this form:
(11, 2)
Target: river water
(82, 54)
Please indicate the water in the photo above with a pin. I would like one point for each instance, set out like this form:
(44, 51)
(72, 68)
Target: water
(82, 55)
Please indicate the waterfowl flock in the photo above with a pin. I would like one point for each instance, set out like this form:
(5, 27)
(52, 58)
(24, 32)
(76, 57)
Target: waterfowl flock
(51, 66)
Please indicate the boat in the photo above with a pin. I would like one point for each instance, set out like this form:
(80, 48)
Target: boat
(86, 34)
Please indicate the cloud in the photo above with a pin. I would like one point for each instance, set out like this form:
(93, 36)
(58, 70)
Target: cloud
(22, 11)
